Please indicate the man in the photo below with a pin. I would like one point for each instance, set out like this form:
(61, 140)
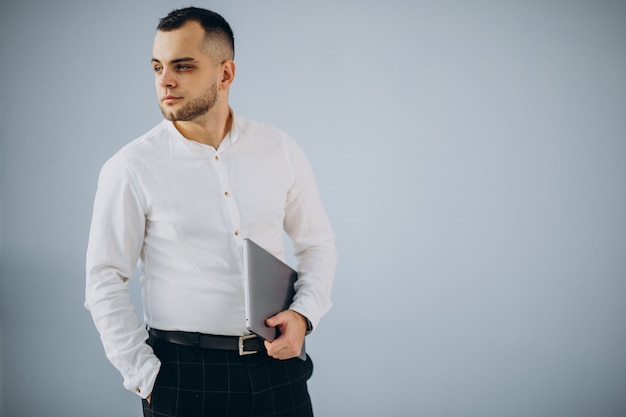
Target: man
(179, 201)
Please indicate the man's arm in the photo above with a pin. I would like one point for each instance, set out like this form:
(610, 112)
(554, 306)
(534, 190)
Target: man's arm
(115, 242)
(307, 224)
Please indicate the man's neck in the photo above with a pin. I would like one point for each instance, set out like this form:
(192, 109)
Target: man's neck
(209, 129)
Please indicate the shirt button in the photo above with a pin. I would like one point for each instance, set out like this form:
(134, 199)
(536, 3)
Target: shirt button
(226, 193)
(217, 158)
(138, 390)
(236, 232)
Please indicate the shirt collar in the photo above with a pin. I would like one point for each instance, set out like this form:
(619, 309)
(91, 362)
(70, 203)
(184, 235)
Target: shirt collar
(231, 137)
(233, 134)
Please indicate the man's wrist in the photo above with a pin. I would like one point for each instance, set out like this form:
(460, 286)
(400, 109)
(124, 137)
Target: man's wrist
(307, 322)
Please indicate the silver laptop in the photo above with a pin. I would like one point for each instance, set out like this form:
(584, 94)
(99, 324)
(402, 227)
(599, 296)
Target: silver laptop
(269, 289)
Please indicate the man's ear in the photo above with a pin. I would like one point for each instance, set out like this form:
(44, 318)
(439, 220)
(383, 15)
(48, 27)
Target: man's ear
(228, 74)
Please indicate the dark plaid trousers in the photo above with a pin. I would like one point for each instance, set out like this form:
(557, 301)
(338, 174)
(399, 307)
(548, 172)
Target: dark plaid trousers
(206, 382)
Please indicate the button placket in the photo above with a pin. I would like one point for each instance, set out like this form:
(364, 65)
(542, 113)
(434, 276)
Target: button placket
(229, 202)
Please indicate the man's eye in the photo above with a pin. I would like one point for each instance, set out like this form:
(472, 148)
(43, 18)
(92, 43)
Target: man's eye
(156, 69)
(183, 67)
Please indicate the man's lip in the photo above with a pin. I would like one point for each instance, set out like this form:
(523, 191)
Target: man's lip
(169, 99)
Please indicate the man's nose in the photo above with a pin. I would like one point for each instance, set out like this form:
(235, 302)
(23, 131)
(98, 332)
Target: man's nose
(167, 79)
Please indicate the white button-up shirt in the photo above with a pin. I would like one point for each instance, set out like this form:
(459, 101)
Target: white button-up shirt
(180, 211)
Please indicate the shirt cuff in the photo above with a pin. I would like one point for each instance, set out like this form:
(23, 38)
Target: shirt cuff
(144, 384)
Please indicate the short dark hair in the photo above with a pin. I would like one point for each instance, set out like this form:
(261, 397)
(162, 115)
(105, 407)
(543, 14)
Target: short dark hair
(214, 25)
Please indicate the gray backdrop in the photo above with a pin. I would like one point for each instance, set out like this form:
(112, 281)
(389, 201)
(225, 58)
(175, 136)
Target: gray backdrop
(472, 156)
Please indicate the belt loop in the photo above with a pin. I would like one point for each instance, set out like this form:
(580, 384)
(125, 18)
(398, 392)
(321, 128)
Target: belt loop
(196, 343)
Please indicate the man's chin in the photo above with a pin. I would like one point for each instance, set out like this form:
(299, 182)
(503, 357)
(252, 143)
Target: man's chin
(168, 115)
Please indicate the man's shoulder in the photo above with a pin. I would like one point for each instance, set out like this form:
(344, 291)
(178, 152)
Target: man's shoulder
(257, 128)
(145, 144)
(265, 137)
(140, 149)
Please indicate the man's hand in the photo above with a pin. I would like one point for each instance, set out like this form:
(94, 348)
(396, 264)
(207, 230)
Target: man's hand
(292, 327)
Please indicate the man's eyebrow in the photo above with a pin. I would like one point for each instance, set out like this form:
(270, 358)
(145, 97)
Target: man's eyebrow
(177, 60)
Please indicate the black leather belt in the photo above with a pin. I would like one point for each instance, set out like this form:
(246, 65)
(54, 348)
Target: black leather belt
(245, 345)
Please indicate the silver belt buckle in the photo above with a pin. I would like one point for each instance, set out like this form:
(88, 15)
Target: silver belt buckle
(242, 339)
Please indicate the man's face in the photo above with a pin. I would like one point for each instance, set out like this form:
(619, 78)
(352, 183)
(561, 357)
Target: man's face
(186, 78)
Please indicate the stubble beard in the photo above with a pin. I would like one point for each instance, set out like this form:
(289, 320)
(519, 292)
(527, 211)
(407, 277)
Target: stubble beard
(195, 108)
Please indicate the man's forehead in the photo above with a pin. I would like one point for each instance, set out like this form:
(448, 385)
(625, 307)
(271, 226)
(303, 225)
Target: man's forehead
(184, 41)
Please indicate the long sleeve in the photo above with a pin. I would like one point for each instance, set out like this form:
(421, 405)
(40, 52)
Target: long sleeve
(308, 226)
(115, 243)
